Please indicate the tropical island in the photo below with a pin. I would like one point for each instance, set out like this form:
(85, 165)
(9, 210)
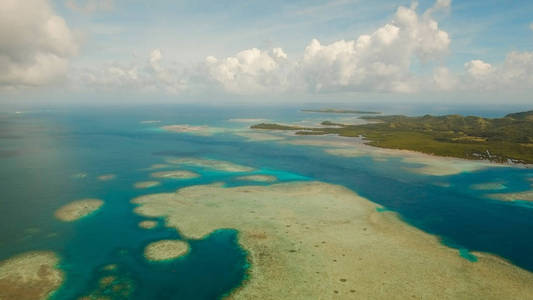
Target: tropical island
(341, 111)
(504, 140)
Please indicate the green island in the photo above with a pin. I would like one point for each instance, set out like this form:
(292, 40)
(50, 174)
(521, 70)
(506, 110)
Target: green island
(504, 140)
(341, 111)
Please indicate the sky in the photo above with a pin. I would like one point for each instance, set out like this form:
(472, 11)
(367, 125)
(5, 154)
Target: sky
(118, 51)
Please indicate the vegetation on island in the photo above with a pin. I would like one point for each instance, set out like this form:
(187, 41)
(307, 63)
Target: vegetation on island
(508, 139)
(341, 111)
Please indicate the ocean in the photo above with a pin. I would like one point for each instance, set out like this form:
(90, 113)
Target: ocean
(51, 157)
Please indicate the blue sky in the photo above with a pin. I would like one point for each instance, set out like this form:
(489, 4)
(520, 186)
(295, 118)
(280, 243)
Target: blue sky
(161, 48)
(194, 29)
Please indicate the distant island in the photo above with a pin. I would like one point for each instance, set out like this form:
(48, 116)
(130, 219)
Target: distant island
(504, 140)
(341, 111)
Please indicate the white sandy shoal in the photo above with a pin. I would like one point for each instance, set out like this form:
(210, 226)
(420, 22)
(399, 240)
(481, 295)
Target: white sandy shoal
(78, 209)
(176, 174)
(258, 178)
(30, 275)
(165, 250)
(213, 164)
(309, 240)
(146, 184)
(202, 130)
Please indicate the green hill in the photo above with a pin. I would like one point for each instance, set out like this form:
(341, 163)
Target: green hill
(507, 139)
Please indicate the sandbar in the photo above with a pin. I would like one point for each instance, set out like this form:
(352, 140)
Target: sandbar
(258, 178)
(335, 144)
(313, 240)
(202, 130)
(159, 166)
(442, 166)
(78, 209)
(146, 184)
(258, 136)
(218, 165)
(488, 186)
(519, 196)
(247, 120)
(177, 174)
(356, 147)
(31, 275)
(429, 164)
(107, 177)
(148, 224)
(165, 250)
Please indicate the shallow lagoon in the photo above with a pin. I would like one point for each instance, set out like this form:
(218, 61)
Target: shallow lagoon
(48, 148)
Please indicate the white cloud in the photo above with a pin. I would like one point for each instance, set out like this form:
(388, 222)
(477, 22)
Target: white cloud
(478, 68)
(515, 74)
(35, 44)
(278, 52)
(443, 4)
(381, 61)
(439, 6)
(90, 6)
(151, 75)
(249, 71)
(444, 80)
(155, 56)
(377, 62)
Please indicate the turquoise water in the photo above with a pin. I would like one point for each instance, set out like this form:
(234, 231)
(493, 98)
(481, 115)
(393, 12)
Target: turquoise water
(41, 153)
(467, 255)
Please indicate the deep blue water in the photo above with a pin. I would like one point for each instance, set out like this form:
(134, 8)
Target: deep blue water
(40, 152)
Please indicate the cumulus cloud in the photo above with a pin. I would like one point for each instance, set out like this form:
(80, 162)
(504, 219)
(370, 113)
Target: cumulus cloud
(444, 79)
(439, 6)
(376, 62)
(90, 6)
(478, 68)
(515, 74)
(516, 71)
(35, 44)
(379, 61)
(151, 75)
(249, 71)
(518, 68)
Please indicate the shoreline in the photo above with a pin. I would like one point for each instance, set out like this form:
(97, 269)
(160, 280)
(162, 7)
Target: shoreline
(289, 137)
(430, 164)
(495, 163)
(506, 140)
(335, 141)
(362, 141)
